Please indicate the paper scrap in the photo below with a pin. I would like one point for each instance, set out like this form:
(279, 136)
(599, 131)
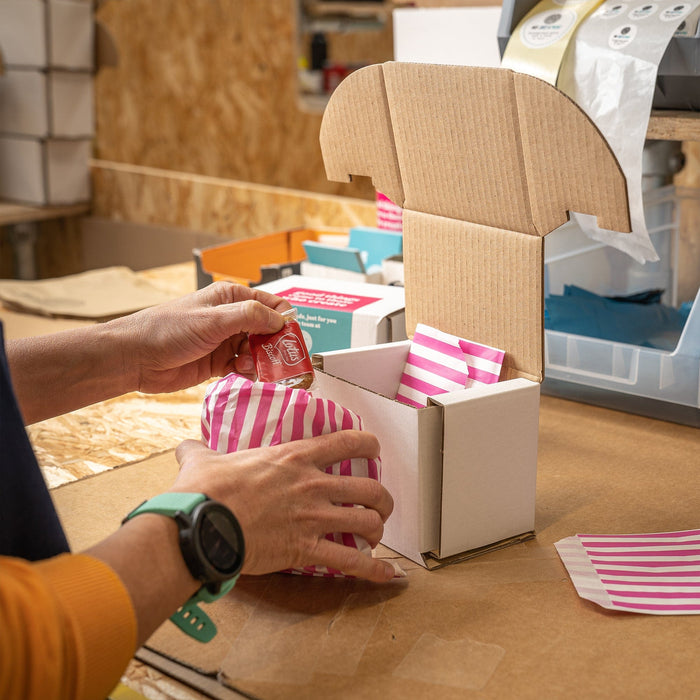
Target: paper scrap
(653, 573)
(439, 362)
(96, 294)
(238, 414)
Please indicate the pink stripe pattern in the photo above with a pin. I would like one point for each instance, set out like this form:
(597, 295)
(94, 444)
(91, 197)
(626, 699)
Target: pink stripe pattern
(655, 573)
(389, 215)
(438, 362)
(238, 414)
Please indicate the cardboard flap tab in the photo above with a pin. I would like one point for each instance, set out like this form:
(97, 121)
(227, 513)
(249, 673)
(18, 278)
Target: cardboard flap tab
(356, 134)
(569, 164)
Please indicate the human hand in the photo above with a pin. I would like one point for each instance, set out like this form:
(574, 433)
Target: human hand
(202, 335)
(286, 503)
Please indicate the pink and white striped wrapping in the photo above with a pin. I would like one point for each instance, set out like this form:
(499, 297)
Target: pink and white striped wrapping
(438, 362)
(239, 414)
(389, 215)
(654, 573)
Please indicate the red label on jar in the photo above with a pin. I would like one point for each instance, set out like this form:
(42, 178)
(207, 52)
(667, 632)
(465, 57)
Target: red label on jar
(282, 355)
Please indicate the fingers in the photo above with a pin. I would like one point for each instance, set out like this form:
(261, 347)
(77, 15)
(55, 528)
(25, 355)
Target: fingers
(362, 492)
(336, 447)
(364, 522)
(353, 563)
(248, 316)
(221, 293)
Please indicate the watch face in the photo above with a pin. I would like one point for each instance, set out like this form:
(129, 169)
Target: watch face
(221, 540)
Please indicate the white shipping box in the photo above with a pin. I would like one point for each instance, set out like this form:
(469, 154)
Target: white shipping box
(46, 103)
(54, 34)
(335, 314)
(485, 162)
(44, 171)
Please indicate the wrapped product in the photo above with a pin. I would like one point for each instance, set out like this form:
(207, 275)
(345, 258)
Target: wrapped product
(239, 414)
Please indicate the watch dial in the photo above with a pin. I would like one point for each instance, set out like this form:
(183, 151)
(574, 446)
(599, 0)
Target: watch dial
(220, 541)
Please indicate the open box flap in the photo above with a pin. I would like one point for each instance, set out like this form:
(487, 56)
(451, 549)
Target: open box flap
(485, 162)
(497, 148)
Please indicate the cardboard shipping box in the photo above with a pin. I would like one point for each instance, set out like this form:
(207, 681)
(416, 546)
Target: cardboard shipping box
(47, 104)
(485, 162)
(53, 34)
(362, 260)
(335, 314)
(45, 171)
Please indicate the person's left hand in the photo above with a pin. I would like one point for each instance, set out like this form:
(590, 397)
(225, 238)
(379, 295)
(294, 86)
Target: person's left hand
(202, 335)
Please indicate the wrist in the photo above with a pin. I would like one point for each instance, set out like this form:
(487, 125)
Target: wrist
(146, 556)
(212, 548)
(121, 337)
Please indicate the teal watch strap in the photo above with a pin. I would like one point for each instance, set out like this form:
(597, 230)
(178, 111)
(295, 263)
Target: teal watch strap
(169, 504)
(190, 618)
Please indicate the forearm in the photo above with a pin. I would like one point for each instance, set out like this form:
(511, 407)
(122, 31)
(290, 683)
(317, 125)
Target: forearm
(145, 554)
(69, 631)
(68, 370)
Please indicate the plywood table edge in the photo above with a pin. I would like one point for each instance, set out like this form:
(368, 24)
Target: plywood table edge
(670, 125)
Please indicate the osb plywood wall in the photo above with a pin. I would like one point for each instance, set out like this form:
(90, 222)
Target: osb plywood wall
(210, 87)
(228, 208)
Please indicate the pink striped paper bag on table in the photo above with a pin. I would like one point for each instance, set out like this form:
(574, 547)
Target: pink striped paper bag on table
(239, 414)
(655, 573)
(438, 362)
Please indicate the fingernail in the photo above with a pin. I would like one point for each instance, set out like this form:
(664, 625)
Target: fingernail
(393, 570)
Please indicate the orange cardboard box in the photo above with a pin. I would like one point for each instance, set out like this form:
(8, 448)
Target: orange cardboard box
(246, 261)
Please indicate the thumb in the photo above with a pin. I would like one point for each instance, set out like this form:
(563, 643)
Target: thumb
(189, 450)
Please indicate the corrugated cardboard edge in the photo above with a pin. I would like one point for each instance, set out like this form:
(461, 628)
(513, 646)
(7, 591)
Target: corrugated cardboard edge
(432, 560)
(191, 677)
(503, 158)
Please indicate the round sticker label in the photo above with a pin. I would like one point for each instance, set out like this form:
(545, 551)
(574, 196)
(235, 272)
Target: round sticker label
(675, 13)
(608, 11)
(643, 11)
(546, 28)
(622, 36)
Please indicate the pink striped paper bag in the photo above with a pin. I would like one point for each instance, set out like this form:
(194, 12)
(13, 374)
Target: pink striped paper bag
(239, 414)
(655, 573)
(438, 362)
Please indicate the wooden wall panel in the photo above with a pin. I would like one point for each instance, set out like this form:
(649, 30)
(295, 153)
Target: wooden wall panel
(229, 208)
(209, 87)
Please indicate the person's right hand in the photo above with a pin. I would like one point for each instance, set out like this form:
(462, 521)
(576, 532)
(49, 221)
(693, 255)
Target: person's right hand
(286, 503)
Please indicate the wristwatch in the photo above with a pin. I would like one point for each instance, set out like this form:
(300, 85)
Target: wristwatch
(212, 545)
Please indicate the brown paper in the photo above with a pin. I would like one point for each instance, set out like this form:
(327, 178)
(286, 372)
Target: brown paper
(97, 294)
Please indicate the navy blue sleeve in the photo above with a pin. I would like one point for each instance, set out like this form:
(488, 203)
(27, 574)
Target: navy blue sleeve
(29, 524)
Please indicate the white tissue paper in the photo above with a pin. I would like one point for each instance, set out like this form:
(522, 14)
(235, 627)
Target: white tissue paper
(610, 72)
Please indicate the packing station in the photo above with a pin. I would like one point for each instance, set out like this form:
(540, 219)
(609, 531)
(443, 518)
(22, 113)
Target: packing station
(349, 349)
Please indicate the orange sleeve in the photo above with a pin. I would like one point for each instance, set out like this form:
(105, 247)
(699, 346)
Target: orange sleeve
(67, 628)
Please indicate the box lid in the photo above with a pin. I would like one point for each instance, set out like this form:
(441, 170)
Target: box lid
(485, 162)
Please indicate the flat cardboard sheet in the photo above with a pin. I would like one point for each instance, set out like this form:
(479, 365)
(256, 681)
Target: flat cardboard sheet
(96, 294)
(504, 625)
